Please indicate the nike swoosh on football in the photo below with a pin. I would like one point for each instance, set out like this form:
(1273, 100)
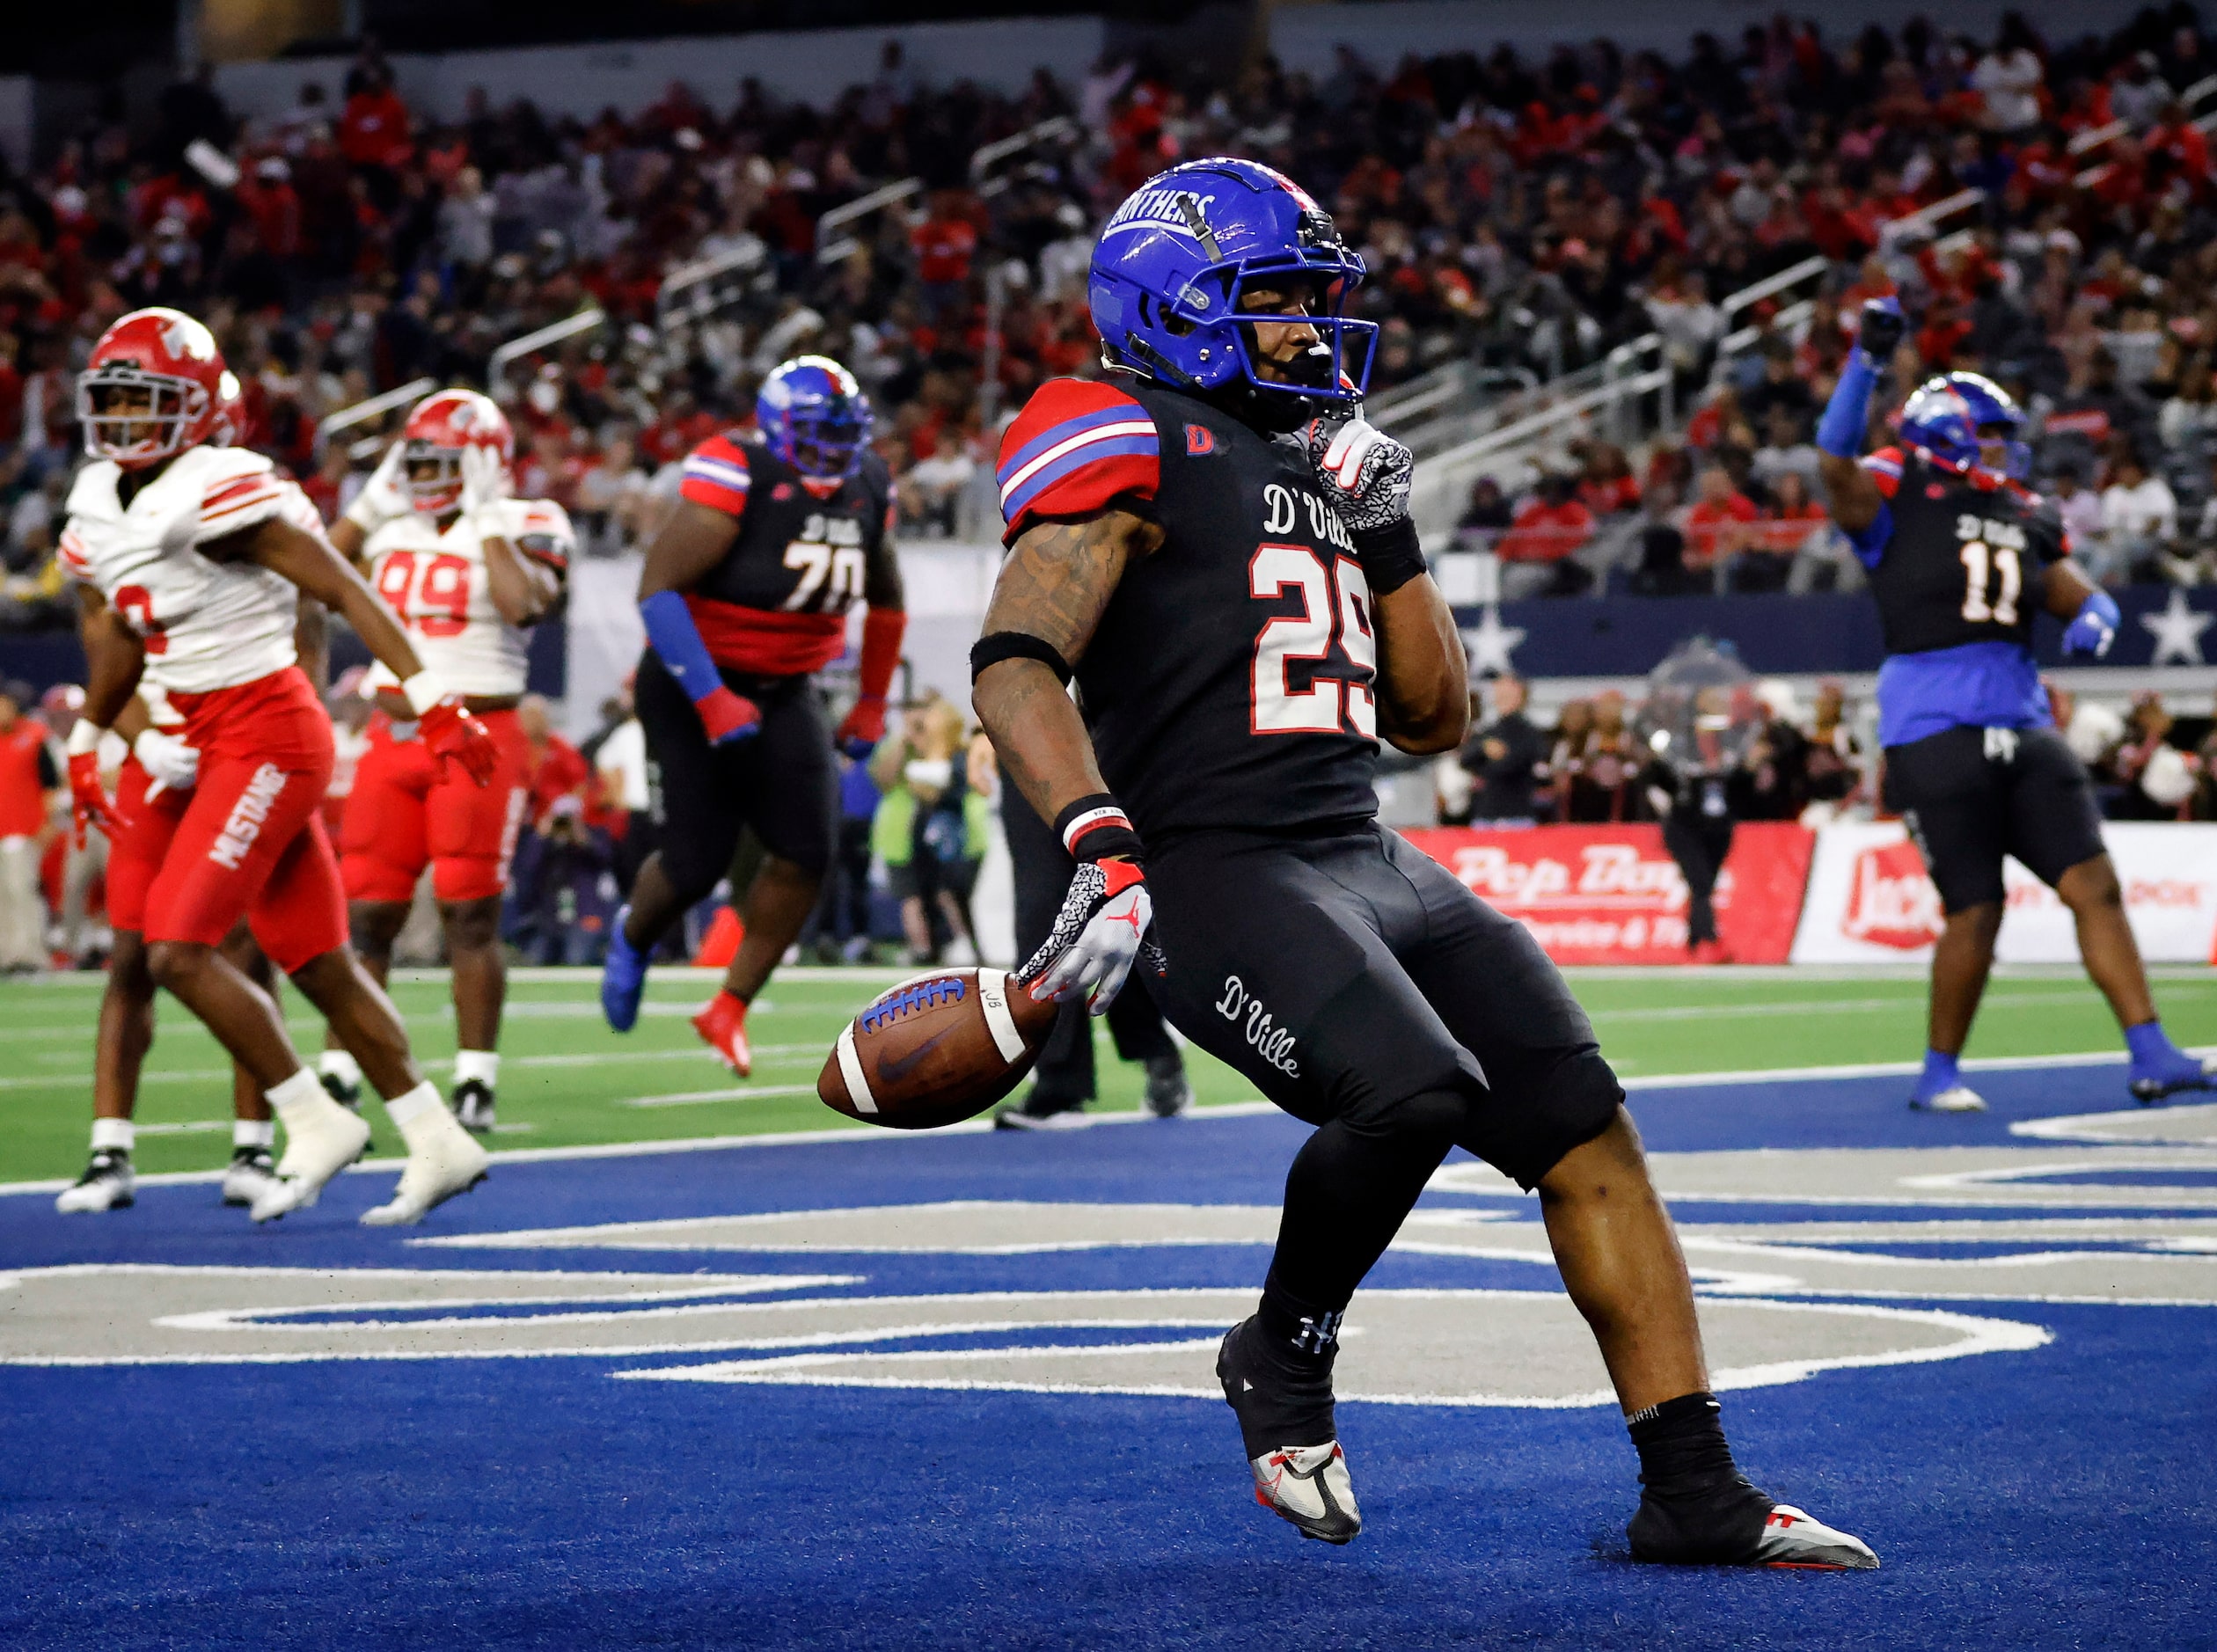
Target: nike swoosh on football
(894, 1071)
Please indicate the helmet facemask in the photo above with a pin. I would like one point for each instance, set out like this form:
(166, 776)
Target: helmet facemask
(134, 417)
(824, 442)
(434, 477)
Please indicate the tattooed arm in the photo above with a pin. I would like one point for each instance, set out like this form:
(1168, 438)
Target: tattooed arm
(1054, 586)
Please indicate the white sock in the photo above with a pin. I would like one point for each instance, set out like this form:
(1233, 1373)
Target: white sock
(253, 1133)
(484, 1065)
(337, 1064)
(113, 1134)
(298, 1094)
(408, 1111)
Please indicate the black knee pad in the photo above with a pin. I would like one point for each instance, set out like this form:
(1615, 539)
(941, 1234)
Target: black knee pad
(1430, 1121)
(1541, 1104)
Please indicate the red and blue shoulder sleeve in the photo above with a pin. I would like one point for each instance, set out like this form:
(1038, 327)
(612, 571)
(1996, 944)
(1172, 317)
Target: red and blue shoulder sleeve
(1077, 446)
(715, 475)
(1884, 467)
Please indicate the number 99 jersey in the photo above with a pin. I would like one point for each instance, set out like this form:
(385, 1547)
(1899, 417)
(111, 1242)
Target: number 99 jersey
(775, 605)
(436, 583)
(1965, 559)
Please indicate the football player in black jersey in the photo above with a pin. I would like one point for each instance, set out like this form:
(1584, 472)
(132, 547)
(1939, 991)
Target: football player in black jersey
(1233, 579)
(745, 596)
(1960, 553)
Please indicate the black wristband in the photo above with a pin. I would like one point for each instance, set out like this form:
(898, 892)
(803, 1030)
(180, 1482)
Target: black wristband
(1095, 828)
(1015, 645)
(1391, 556)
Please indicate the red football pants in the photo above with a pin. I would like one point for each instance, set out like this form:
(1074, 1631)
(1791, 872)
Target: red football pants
(408, 809)
(250, 842)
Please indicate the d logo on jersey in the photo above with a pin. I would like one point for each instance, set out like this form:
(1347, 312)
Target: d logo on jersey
(1199, 440)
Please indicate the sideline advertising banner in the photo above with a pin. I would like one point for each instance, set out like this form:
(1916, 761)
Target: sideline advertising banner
(1595, 895)
(1869, 901)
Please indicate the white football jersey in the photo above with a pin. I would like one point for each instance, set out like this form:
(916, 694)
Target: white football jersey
(204, 624)
(437, 584)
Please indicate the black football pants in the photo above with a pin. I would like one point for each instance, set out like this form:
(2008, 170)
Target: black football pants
(1064, 1078)
(1359, 986)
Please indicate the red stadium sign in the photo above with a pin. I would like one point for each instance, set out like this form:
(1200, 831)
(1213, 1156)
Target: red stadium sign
(1613, 895)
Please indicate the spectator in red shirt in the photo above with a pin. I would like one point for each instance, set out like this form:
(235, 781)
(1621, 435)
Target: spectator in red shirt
(1716, 521)
(29, 780)
(1539, 541)
(373, 136)
(944, 245)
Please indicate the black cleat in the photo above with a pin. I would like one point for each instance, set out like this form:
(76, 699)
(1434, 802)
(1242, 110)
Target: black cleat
(474, 1105)
(1739, 1525)
(1170, 1091)
(1285, 1422)
(107, 1184)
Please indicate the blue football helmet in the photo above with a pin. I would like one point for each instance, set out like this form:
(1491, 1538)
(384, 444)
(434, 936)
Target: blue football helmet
(814, 416)
(1171, 261)
(1944, 415)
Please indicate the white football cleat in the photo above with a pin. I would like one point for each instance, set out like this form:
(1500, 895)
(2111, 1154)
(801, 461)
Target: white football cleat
(321, 1139)
(250, 1175)
(107, 1184)
(1309, 1485)
(442, 1161)
(1793, 1538)
(1957, 1097)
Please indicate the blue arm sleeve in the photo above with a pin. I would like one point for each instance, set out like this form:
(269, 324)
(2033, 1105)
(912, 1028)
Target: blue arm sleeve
(1847, 414)
(1870, 544)
(671, 633)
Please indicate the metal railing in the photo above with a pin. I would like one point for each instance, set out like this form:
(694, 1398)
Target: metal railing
(692, 292)
(554, 333)
(988, 156)
(832, 243)
(373, 407)
(1622, 398)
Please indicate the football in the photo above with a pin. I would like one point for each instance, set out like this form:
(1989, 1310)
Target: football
(936, 1050)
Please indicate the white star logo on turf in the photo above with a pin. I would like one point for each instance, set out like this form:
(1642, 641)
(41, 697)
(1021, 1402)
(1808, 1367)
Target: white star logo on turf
(1492, 643)
(2177, 632)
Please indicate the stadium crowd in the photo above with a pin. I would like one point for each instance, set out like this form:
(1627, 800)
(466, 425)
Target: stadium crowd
(1526, 215)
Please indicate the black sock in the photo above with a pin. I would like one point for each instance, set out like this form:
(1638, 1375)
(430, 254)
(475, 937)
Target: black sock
(1299, 1333)
(1681, 1446)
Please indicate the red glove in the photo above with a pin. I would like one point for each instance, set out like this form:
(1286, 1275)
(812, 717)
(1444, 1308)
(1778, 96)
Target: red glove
(862, 727)
(726, 715)
(90, 805)
(449, 731)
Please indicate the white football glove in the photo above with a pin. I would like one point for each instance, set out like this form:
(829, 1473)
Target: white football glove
(1102, 929)
(384, 497)
(173, 764)
(1362, 471)
(485, 479)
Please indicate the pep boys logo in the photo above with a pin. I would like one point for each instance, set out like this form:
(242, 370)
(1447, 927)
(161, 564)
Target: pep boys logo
(1608, 875)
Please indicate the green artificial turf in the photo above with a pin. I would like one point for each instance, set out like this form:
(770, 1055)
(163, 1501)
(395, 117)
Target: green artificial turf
(567, 1080)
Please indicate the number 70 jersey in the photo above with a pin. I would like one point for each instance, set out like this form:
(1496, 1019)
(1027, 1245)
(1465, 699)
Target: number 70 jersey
(436, 582)
(1967, 558)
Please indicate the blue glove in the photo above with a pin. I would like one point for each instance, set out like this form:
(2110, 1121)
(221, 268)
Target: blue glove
(2094, 628)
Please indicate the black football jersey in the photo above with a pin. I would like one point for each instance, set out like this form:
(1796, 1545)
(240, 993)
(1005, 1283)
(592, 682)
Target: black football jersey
(1967, 558)
(1230, 682)
(775, 605)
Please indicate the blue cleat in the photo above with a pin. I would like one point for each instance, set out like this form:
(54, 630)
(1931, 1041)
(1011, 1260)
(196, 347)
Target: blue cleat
(623, 977)
(2169, 1072)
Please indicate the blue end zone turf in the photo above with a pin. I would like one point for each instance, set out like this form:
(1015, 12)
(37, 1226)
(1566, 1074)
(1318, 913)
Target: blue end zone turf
(2055, 1495)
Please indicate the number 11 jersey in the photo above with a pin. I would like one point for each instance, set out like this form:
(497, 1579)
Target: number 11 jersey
(1962, 564)
(1230, 682)
(1966, 559)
